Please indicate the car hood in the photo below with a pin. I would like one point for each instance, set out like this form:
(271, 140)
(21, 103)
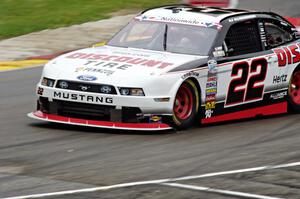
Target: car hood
(107, 64)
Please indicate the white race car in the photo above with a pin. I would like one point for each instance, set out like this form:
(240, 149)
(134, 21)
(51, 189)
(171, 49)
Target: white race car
(176, 65)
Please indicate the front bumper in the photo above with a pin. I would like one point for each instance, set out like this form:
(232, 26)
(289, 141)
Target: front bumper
(101, 110)
(146, 104)
(39, 115)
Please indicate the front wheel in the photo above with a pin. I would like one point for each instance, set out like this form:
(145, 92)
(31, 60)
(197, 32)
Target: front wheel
(186, 105)
(294, 92)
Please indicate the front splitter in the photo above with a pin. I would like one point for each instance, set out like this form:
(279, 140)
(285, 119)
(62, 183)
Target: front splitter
(99, 124)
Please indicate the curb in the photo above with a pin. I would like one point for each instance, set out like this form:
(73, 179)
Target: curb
(48, 57)
(35, 60)
(54, 55)
(13, 65)
(29, 62)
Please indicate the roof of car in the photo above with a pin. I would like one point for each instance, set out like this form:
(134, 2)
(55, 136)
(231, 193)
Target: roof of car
(215, 14)
(199, 15)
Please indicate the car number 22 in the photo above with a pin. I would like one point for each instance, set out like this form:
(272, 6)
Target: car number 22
(249, 79)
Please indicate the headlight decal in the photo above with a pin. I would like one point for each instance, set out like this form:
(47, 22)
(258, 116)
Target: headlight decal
(131, 91)
(48, 82)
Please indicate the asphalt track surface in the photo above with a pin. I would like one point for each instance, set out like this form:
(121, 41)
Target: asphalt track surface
(39, 157)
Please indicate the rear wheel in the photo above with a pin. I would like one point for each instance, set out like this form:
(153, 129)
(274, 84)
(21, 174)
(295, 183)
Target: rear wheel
(294, 92)
(186, 105)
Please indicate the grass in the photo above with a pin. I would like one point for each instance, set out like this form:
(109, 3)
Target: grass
(18, 17)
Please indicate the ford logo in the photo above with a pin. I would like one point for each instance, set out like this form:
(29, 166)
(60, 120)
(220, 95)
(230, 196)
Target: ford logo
(87, 78)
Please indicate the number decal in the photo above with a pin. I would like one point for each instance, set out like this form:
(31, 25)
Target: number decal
(248, 79)
(234, 95)
(256, 92)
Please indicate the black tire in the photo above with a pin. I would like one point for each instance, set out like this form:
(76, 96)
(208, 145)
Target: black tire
(186, 105)
(294, 93)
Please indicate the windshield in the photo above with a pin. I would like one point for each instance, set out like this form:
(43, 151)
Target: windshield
(170, 37)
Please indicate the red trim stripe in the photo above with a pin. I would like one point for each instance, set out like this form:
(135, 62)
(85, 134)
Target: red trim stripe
(265, 110)
(77, 121)
(57, 117)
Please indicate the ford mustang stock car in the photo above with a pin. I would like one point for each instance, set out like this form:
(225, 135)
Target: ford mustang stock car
(176, 65)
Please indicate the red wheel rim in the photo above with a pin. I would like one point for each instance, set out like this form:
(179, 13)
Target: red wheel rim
(295, 88)
(183, 102)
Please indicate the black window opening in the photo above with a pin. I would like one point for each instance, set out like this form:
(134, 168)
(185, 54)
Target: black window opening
(243, 38)
(276, 35)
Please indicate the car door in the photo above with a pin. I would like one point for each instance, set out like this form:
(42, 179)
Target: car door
(245, 72)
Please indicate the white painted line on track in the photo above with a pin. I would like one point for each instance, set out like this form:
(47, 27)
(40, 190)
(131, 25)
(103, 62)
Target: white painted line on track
(87, 190)
(237, 171)
(160, 181)
(219, 191)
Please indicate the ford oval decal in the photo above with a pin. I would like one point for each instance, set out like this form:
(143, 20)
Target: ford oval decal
(87, 78)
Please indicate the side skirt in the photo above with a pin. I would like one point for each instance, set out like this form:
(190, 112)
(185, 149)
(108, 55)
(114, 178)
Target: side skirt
(249, 113)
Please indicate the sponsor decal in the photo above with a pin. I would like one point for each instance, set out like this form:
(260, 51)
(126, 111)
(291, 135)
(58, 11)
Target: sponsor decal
(212, 79)
(110, 65)
(94, 70)
(190, 74)
(210, 98)
(241, 18)
(277, 79)
(212, 67)
(288, 55)
(113, 61)
(82, 97)
(145, 17)
(211, 91)
(208, 113)
(87, 78)
(210, 105)
(278, 95)
(211, 88)
(262, 33)
(155, 119)
(131, 54)
(180, 20)
(211, 84)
